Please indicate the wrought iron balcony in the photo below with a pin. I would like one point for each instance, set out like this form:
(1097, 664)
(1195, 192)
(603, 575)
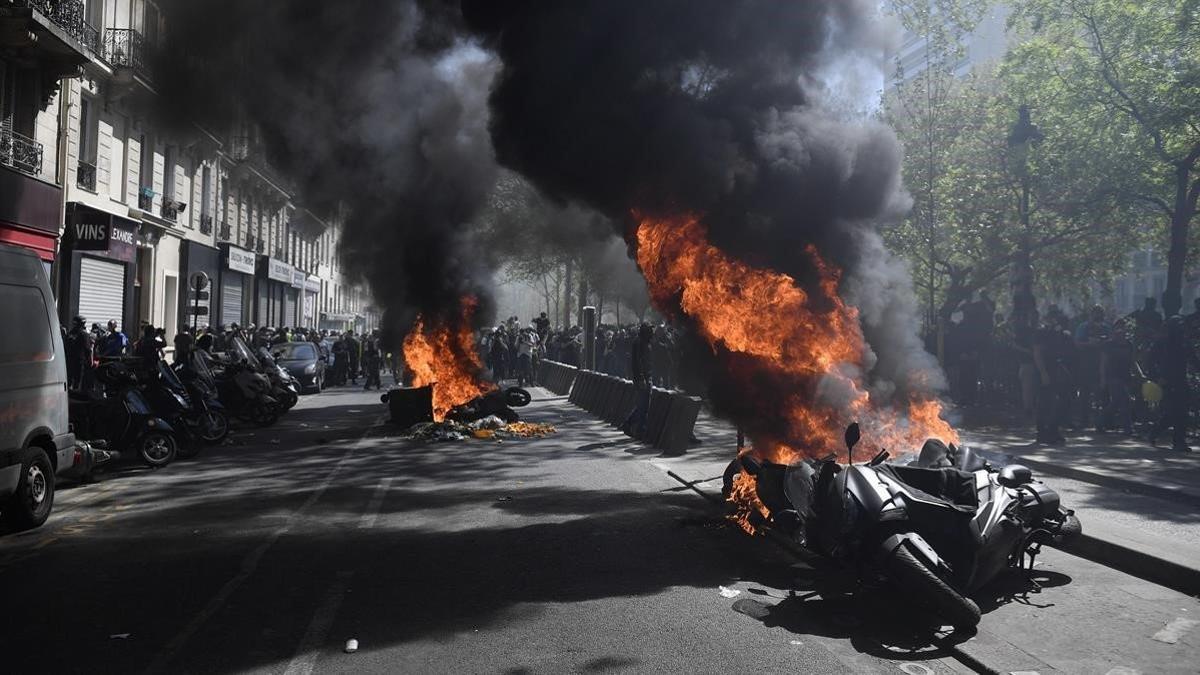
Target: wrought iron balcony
(279, 254)
(69, 16)
(126, 48)
(250, 241)
(21, 153)
(85, 176)
(261, 246)
(206, 224)
(168, 210)
(146, 199)
(225, 233)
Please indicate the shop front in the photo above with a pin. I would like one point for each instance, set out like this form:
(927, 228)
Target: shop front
(98, 267)
(295, 299)
(235, 286)
(312, 289)
(337, 321)
(274, 285)
(198, 309)
(29, 215)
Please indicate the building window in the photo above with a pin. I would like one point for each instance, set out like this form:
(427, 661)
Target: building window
(88, 130)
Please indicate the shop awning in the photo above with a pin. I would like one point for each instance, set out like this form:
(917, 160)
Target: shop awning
(45, 245)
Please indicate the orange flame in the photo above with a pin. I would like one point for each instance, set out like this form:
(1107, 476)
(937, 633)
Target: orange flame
(744, 497)
(796, 356)
(443, 354)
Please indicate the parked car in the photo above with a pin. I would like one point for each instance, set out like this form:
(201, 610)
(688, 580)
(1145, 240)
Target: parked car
(304, 361)
(36, 444)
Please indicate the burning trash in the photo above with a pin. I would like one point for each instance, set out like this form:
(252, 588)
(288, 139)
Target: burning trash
(487, 428)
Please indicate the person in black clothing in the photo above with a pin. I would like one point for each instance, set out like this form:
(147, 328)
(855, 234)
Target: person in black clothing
(372, 362)
(641, 367)
(352, 357)
(1172, 358)
(80, 347)
(1049, 357)
(543, 327)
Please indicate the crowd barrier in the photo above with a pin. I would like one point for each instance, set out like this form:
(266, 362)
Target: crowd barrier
(555, 376)
(669, 420)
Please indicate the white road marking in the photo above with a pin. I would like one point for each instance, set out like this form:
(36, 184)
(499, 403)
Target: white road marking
(372, 513)
(249, 565)
(318, 629)
(1174, 630)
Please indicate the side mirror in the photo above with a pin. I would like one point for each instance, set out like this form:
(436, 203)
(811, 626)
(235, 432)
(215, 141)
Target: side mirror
(852, 435)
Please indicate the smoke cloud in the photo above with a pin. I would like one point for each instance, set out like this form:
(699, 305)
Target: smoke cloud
(713, 107)
(376, 107)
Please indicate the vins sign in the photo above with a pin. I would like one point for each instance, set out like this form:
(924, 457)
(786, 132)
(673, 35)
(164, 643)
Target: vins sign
(91, 236)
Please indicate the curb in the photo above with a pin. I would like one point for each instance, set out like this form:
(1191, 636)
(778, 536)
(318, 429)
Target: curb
(1111, 482)
(1135, 563)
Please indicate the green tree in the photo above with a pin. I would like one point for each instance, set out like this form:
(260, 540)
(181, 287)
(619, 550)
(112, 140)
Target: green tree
(923, 107)
(1122, 79)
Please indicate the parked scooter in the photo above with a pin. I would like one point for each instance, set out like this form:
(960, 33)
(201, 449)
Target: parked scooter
(243, 389)
(284, 387)
(200, 389)
(122, 420)
(940, 528)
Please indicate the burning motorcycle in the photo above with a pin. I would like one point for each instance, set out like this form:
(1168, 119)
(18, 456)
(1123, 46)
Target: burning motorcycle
(940, 528)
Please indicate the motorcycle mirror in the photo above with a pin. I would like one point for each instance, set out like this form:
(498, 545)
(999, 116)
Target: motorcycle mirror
(852, 436)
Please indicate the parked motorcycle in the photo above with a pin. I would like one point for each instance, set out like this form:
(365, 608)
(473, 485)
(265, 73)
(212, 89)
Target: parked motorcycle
(200, 389)
(242, 387)
(284, 387)
(939, 528)
(122, 420)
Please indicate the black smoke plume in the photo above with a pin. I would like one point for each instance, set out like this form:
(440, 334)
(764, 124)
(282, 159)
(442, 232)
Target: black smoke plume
(379, 108)
(711, 107)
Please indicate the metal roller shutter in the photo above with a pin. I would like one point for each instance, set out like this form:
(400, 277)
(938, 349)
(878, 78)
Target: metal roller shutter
(289, 309)
(101, 291)
(231, 301)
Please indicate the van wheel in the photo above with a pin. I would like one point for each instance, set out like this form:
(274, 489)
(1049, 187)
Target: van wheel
(30, 505)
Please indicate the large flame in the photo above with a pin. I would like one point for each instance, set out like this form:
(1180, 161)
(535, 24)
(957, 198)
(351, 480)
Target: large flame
(442, 353)
(796, 356)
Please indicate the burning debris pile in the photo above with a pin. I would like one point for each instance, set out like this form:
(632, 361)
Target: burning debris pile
(443, 354)
(487, 428)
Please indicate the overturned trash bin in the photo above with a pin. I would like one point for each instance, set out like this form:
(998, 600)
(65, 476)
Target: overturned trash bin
(409, 405)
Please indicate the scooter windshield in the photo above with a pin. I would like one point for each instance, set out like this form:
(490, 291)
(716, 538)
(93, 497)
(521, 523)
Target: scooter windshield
(242, 352)
(169, 377)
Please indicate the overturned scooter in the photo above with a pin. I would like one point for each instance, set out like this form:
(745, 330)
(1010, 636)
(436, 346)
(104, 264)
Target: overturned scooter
(940, 528)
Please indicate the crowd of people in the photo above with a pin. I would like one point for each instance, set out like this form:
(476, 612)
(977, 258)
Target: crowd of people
(348, 357)
(1128, 374)
(512, 351)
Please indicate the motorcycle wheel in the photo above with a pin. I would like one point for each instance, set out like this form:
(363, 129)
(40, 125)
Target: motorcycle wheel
(156, 449)
(288, 399)
(923, 585)
(214, 426)
(516, 397)
(1070, 528)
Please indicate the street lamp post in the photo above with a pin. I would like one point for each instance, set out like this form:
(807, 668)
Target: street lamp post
(1023, 135)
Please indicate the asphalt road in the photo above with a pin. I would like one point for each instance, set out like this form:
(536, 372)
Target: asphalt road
(573, 553)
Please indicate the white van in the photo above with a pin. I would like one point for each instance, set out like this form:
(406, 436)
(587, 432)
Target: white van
(35, 441)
